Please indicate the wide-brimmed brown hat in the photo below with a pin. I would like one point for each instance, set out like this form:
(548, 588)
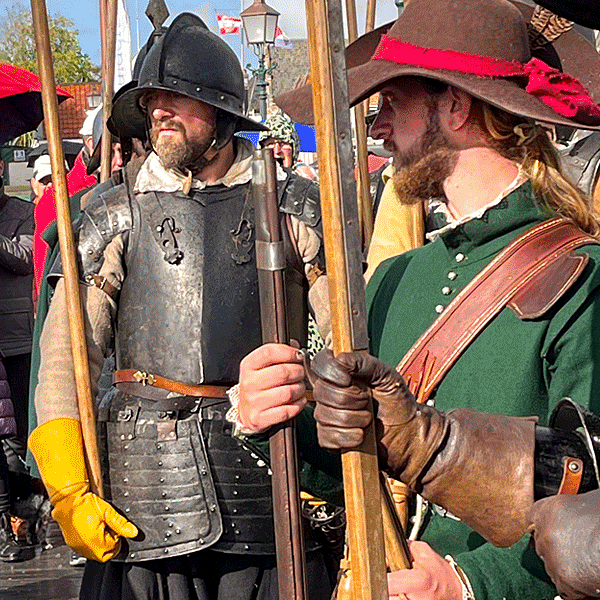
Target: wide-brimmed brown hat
(481, 47)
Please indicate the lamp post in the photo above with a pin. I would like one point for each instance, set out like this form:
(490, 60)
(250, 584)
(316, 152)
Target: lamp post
(260, 25)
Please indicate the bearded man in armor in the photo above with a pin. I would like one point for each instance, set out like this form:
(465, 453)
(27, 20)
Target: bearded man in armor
(169, 281)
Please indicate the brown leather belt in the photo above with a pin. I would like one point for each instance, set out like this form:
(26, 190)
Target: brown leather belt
(186, 389)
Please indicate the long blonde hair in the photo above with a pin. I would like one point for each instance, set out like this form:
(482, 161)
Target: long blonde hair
(529, 144)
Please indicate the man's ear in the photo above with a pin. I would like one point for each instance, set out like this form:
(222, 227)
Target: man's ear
(455, 108)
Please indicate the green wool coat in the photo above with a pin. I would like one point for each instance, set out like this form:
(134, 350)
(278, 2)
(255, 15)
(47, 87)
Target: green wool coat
(513, 367)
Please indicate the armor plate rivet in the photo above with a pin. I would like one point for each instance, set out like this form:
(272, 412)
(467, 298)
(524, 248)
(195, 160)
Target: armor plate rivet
(126, 510)
(125, 493)
(170, 524)
(201, 541)
(132, 555)
(160, 463)
(235, 511)
(253, 455)
(125, 480)
(574, 467)
(159, 446)
(164, 494)
(237, 532)
(167, 535)
(179, 531)
(204, 472)
(166, 551)
(235, 492)
(167, 508)
(261, 463)
(246, 547)
(213, 508)
(122, 436)
(162, 479)
(237, 477)
(125, 464)
(130, 436)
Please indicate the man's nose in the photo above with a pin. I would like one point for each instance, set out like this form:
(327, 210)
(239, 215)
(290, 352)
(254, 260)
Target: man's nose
(161, 111)
(381, 128)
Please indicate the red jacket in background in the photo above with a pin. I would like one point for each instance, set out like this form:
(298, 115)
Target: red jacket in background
(45, 213)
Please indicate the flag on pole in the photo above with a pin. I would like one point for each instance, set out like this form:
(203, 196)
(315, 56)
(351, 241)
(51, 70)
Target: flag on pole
(123, 47)
(228, 24)
(282, 40)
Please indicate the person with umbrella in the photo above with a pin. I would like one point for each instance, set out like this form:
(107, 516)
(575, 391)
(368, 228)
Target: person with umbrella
(21, 108)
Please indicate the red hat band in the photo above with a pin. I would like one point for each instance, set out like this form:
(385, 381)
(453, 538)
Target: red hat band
(561, 92)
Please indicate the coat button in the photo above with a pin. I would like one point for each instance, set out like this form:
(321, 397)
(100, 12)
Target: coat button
(446, 290)
(439, 308)
(452, 276)
(460, 257)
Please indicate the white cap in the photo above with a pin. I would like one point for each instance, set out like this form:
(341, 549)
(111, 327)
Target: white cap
(42, 167)
(88, 125)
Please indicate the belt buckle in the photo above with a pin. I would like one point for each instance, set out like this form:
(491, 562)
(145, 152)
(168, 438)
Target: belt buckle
(144, 378)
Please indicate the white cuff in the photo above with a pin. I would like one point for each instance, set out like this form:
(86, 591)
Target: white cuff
(467, 590)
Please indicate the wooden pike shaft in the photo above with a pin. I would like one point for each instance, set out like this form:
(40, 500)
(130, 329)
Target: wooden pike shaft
(346, 285)
(109, 34)
(67, 245)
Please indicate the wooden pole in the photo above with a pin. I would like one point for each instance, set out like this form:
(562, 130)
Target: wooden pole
(67, 245)
(108, 82)
(365, 202)
(346, 284)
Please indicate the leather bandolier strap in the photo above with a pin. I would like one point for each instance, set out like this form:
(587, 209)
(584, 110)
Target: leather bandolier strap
(529, 276)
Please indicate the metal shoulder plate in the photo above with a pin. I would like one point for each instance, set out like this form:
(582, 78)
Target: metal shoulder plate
(582, 161)
(104, 217)
(299, 196)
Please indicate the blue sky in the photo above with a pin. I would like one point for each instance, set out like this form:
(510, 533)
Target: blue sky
(85, 15)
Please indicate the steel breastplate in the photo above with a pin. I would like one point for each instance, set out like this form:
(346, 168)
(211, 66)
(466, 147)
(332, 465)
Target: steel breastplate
(192, 319)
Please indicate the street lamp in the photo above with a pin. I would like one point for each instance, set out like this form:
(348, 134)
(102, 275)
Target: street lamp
(260, 25)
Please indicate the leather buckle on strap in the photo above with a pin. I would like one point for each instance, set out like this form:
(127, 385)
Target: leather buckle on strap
(144, 378)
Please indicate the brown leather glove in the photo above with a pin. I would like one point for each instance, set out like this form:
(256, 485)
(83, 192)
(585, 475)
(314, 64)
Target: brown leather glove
(567, 538)
(476, 465)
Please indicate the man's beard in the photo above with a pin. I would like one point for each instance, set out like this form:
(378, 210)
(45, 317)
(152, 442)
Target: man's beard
(180, 153)
(421, 171)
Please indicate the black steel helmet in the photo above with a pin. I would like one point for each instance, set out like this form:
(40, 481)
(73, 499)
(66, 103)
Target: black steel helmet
(191, 60)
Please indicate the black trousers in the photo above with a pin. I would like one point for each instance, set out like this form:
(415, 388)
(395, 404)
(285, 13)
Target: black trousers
(203, 575)
(17, 373)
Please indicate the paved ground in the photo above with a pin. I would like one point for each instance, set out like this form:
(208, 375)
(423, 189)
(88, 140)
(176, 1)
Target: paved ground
(46, 577)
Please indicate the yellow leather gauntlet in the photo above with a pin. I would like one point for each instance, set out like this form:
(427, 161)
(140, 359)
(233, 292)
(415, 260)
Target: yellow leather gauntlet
(90, 525)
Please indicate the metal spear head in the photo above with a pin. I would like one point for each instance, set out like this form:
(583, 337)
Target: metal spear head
(157, 12)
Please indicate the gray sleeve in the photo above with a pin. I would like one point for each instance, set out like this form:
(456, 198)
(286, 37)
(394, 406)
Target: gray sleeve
(16, 254)
(55, 394)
